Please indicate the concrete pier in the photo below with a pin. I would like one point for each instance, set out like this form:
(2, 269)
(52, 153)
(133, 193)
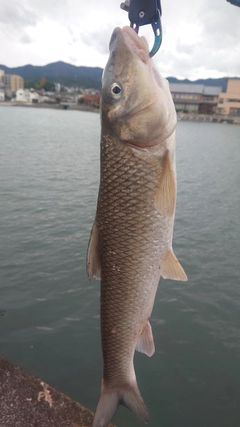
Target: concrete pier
(26, 401)
(213, 118)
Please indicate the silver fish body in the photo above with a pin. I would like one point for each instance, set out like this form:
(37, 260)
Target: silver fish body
(131, 240)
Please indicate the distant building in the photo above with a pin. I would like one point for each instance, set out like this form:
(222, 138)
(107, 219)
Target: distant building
(90, 99)
(229, 101)
(12, 83)
(16, 82)
(2, 94)
(195, 98)
(57, 87)
(2, 87)
(26, 95)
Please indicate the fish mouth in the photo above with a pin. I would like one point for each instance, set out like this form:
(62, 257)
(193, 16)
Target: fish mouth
(138, 45)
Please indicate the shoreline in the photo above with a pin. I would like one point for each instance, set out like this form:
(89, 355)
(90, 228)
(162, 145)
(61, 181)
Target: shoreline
(192, 117)
(79, 107)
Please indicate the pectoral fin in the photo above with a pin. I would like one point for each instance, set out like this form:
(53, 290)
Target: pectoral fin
(165, 197)
(145, 342)
(171, 268)
(93, 254)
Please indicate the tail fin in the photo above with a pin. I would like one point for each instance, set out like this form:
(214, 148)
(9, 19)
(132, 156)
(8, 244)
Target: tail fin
(110, 398)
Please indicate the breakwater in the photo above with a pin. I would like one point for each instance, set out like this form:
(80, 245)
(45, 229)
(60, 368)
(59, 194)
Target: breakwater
(214, 118)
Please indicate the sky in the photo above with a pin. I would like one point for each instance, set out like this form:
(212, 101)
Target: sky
(201, 38)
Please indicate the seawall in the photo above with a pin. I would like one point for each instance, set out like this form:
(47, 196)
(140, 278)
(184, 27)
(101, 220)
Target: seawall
(213, 118)
(26, 401)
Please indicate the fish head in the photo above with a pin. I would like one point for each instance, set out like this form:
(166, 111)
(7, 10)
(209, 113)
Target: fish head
(136, 103)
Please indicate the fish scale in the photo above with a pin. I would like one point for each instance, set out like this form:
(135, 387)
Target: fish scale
(130, 245)
(128, 253)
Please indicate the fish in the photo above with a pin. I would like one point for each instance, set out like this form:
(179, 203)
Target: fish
(130, 244)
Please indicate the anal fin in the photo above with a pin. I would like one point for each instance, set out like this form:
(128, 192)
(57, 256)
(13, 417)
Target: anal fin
(93, 254)
(145, 342)
(165, 197)
(171, 268)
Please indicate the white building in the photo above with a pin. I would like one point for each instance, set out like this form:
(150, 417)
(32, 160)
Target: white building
(2, 94)
(1, 74)
(26, 95)
(2, 87)
(57, 87)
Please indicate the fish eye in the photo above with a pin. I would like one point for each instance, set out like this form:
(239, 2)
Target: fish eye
(116, 90)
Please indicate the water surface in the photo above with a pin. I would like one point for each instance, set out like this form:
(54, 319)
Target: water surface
(49, 311)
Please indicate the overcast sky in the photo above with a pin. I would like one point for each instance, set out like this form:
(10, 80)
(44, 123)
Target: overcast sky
(201, 38)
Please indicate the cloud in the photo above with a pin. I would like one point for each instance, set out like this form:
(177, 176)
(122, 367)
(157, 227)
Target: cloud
(221, 29)
(15, 20)
(200, 38)
(15, 16)
(25, 39)
(73, 59)
(99, 40)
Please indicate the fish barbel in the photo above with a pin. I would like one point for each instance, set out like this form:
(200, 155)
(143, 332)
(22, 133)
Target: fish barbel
(130, 245)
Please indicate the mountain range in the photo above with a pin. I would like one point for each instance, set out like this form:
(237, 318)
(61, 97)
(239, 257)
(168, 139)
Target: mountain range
(86, 77)
(59, 72)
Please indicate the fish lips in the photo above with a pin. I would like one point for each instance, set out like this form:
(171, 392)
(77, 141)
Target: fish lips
(129, 38)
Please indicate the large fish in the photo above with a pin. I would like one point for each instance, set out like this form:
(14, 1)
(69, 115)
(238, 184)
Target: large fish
(130, 245)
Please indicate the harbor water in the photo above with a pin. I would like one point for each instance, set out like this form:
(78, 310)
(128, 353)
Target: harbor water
(49, 311)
